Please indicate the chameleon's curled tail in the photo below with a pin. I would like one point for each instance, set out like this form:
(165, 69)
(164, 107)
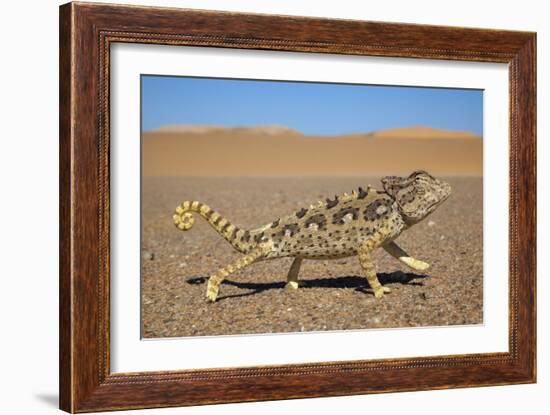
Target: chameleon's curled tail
(184, 220)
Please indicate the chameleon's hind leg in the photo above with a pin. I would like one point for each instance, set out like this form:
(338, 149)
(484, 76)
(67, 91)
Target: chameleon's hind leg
(216, 279)
(292, 277)
(368, 266)
(395, 251)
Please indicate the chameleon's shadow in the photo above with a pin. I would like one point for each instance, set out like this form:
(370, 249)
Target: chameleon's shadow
(356, 282)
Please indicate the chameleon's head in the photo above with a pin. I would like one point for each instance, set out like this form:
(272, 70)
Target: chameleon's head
(417, 195)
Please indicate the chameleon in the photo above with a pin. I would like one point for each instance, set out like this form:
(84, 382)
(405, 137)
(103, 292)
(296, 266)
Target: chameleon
(348, 225)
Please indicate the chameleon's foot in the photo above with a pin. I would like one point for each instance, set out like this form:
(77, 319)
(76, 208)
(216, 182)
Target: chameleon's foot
(419, 265)
(380, 291)
(394, 250)
(422, 266)
(212, 291)
(292, 285)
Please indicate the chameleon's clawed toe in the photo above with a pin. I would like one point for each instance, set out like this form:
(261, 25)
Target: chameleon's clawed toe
(292, 285)
(380, 291)
(421, 265)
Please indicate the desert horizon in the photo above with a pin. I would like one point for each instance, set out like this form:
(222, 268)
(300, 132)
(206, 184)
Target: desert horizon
(276, 150)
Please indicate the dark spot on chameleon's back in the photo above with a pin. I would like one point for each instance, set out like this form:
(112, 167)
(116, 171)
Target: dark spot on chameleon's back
(362, 194)
(246, 236)
(318, 219)
(371, 214)
(275, 224)
(301, 213)
(293, 228)
(258, 237)
(331, 203)
(338, 217)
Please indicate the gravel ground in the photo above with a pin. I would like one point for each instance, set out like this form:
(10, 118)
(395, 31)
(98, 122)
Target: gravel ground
(335, 295)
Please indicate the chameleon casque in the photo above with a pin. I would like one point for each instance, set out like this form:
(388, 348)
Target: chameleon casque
(347, 225)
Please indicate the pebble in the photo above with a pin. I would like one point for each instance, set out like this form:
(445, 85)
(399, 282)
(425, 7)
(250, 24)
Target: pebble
(149, 256)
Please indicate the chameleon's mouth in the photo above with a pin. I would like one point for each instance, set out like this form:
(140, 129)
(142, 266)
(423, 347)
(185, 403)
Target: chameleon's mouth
(446, 194)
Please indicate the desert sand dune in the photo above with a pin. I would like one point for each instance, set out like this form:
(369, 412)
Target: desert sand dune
(418, 132)
(275, 150)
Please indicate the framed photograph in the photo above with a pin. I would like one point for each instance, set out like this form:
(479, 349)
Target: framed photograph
(258, 207)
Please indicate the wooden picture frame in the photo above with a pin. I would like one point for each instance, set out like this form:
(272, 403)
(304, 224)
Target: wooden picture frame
(86, 33)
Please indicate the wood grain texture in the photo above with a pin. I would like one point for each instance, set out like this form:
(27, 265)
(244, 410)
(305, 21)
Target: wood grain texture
(86, 33)
(65, 246)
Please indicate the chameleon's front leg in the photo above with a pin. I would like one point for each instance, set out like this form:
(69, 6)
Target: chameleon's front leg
(368, 266)
(394, 250)
(292, 277)
(216, 279)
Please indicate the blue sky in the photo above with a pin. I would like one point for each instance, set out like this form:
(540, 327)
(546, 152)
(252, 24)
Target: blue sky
(312, 108)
